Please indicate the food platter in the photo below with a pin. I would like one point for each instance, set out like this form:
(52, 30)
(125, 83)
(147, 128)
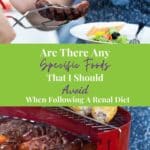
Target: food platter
(81, 31)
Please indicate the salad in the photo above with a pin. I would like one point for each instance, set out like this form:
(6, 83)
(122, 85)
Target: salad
(107, 34)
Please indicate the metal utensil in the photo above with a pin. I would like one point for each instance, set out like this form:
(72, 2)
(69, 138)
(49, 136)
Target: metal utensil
(136, 40)
(91, 121)
(47, 24)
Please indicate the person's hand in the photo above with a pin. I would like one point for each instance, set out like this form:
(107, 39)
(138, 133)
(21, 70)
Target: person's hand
(30, 4)
(37, 18)
(7, 33)
(34, 18)
(23, 6)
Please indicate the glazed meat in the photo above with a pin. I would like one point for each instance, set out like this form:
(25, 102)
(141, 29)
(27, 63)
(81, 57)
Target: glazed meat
(60, 13)
(46, 143)
(24, 135)
(43, 143)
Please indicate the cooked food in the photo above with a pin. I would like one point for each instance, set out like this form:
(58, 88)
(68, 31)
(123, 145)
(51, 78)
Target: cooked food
(90, 147)
(104, 114)
(3, 139)
(107, 34)
(83, 110)
(61, 13)
(101, 113)
(97, 30)
(24, 135)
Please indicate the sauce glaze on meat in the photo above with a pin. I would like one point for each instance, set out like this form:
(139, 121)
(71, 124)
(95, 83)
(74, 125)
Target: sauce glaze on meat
(60, 13)
(24, 135)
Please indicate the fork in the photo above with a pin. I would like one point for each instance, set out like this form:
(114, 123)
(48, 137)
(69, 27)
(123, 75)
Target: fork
(45, 25)
(136, 40)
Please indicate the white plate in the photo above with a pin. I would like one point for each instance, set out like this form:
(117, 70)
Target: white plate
(128, 30)
(81, 31)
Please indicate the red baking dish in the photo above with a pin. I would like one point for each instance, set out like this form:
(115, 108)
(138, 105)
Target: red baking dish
(114, 136)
